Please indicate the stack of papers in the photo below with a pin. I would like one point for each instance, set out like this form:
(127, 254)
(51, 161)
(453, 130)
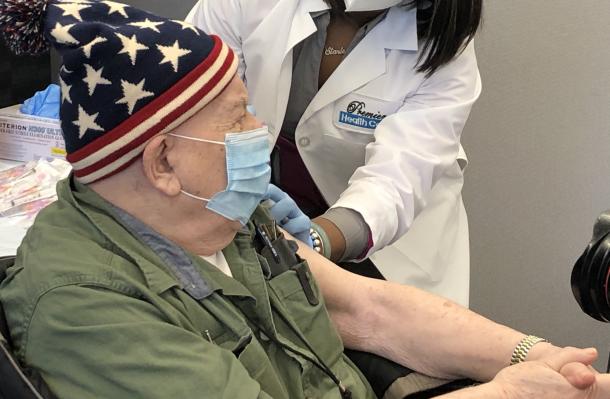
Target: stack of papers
(24, 190)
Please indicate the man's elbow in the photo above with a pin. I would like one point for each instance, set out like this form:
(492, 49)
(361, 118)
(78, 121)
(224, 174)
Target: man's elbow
(360, 323)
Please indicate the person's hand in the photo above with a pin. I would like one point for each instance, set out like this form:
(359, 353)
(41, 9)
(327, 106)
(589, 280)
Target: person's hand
(288, 215)
(564, 375)
(577, 374)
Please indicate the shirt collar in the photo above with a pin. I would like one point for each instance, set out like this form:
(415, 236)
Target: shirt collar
(163, 263)
(400, 28)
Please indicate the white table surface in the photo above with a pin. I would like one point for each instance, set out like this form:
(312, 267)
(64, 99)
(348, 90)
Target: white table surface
(11, 233)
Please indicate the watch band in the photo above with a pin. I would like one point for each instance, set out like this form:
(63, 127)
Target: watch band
(321, 243)
(523, 348)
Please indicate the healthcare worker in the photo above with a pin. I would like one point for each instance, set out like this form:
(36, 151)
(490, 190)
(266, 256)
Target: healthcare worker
(366, 101)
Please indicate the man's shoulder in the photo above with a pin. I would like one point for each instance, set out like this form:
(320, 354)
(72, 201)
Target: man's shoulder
(61, 237)
(62, 248)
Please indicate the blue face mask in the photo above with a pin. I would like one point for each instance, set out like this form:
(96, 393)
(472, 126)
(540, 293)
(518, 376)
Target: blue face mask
(248, 174)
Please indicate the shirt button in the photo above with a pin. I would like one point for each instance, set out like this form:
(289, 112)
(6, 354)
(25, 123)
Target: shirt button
(304, 141)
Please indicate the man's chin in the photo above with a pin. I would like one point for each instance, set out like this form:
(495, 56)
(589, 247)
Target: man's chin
(236, 226)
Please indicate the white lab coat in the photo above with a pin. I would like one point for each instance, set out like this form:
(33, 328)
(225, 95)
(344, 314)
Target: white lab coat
(404, 176)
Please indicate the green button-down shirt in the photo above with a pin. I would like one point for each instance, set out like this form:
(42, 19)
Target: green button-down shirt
(104, 310)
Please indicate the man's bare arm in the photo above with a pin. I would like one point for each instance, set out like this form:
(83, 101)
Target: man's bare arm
(417, 329)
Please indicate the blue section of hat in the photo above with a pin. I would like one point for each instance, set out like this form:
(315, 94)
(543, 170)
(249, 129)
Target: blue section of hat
(116, 60)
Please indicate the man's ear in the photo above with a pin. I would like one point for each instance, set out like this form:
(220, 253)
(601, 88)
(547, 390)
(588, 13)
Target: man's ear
(158, 168)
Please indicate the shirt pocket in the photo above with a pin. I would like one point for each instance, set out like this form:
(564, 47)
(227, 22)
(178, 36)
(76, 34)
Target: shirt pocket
(252, 355)
(218, 322)
(312, 320)
(200, 319)
(212, 320)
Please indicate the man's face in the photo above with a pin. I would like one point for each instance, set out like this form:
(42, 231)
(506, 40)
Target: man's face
(201, 166)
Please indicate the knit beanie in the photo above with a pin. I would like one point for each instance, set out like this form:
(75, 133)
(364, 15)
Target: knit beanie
(127, 75)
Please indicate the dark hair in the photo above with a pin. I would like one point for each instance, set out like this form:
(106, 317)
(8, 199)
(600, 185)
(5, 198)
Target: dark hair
(446, 26)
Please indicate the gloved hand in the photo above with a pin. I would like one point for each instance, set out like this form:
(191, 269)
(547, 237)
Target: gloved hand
(44, 103)
(288, 215)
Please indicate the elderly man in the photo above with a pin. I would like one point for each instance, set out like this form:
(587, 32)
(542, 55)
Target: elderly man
(155, 275)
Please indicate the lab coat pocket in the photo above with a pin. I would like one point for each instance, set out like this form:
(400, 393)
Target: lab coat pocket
(358, 113)
(342, 156)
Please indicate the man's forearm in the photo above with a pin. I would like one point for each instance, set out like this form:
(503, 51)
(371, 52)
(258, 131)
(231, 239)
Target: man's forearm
(434, 335)
(422, 331)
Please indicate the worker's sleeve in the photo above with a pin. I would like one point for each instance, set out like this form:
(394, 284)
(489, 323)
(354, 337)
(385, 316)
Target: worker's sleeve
(412, 149)
(93, 342)
(354, 229)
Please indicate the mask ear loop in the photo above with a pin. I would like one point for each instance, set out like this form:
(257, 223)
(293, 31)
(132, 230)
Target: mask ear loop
(202, 141)
(194, 196)
(197, 139)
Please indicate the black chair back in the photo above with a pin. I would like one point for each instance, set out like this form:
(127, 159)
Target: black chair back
(5, 263)
(15, 382)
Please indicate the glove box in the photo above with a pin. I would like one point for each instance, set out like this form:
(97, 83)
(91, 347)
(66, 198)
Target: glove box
(26, 137)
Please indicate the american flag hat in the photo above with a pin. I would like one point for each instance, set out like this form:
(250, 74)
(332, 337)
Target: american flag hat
(127, 75)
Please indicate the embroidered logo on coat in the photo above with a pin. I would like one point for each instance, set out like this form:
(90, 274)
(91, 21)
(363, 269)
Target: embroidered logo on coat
(360, 113)
(356, 114)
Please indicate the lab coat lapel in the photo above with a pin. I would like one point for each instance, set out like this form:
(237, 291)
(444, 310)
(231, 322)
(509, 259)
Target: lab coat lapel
(270, 71)
(367, 60)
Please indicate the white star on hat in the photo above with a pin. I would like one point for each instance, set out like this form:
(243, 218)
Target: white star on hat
(65, 91)
(131, 46)
(116, 7)
(89, 46)
(186, 25)
(86, 122)
(133, 93)
(147, 24)
(72, 9)
(94, 78)
(172, 54)
(62, 34)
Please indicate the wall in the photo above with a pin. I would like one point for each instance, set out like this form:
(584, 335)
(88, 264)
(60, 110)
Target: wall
(539, 148)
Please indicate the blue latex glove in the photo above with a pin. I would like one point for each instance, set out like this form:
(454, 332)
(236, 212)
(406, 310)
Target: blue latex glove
(288, 215)
(44, 103)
